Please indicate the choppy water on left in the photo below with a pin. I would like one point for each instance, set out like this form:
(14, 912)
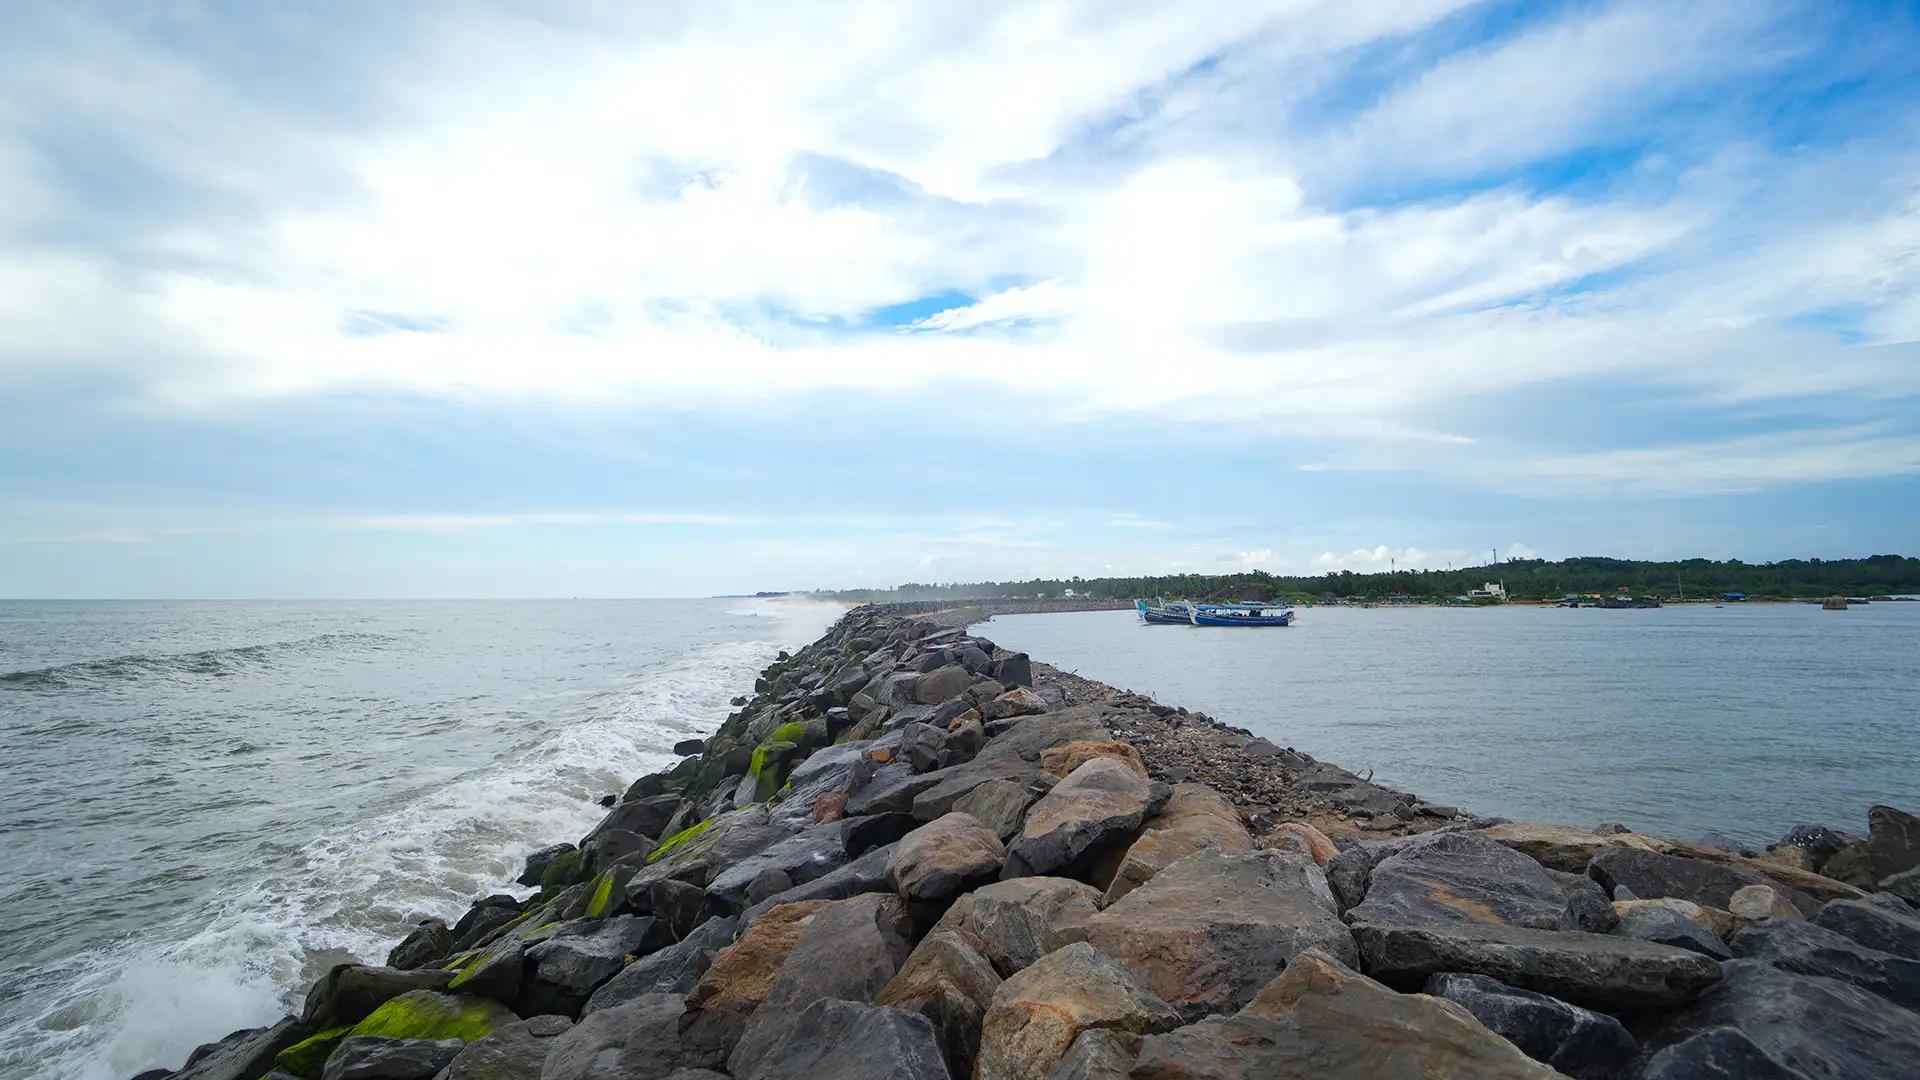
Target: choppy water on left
(203, 805)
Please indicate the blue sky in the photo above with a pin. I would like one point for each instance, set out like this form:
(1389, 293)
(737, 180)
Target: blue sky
(597, 299)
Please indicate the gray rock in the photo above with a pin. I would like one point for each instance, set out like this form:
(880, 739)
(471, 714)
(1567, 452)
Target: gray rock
(942, 683)
(539, 861)
(1582, 1043)
(1892, 847)
(482, 919)
(428, 942)
(850, 950)
(1463, 877)
(1717, 1054)
(617, 846)
(689, 747)
(845, 1040)
(866, 874)
(830, 770)
(637, 1040)
(1014, 670)
(241, 1055)
(564, 970)
(677, 904)
(957, 782)
(495, 973)
(945, 980)
(646, 817)
(1099, 806)
(1587, 902)
(1875, 926)
(802, 857)
(365, 1057)
(513, 1052)
(945, 857)
(672, 970)
(1600, 971)
(863, 834)
(1348, 874)
(1214, 927)
(1650, 874)
(923, 745)
(1001, 804)
(1646, 922)
(1805, 949)
(724, 841)
(348, 992)
(1194, 817)
(1802, 1026)
(1905, 885)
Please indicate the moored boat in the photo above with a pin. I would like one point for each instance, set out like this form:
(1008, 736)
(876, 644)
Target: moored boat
(1241, 614)
(1160, 613)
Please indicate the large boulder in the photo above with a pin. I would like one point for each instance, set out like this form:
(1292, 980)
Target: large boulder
(951, 785)
(496, 973)
(802, 857)
(1875, 926)
(564, 970)
(241, 1055)
(1194, 818)
(1213, 928)
(738, 980)
(866, 874)
(1649, 874)
(1892, 847)
(949, 983)
(1805, 949)
(1600, 971)
(636, 1040)
(539, 862)
(1098, 806)
(645, 817)
(379, 1058)
(423, 1014)
(849, 950)
(1015, 922)
(1320, 1021)
(1036, 1015)
(348, 992)
(1582, 1043)
(699, 852)
(846, 1040)
(945, 857)
(1463, 877)
(429, 941)
(672, 970)
(1760, 1021)
(831, 770)
(942, 683)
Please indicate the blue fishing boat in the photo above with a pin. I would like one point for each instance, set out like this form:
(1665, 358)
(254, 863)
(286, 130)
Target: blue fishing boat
(1160, 613)
(1240, 614)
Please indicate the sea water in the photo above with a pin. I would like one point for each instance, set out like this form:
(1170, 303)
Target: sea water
(1741, 720)
(203, 805)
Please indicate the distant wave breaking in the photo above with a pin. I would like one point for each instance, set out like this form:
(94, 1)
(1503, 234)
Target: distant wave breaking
(212, 663)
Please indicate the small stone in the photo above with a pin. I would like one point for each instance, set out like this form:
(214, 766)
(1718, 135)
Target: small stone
(829, 806)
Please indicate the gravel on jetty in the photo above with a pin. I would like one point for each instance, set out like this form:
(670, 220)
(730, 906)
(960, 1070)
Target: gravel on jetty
(912, 854)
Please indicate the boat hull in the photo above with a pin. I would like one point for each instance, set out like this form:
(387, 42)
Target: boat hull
(1202, 618)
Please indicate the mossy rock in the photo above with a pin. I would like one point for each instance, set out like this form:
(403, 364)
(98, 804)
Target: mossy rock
(563, 871)
(609, 889)
(307, 1057)
(679, 840)
(423, 1014)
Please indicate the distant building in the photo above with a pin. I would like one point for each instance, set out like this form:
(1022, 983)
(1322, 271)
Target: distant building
(1492, 590)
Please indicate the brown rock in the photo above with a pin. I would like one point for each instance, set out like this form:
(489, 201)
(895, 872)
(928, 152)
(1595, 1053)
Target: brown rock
(1015, 922)
(1036, 1015)
(739, 979)
(1209, 931)
(1310, 841)
(1321, 1021)
(1061, 760)
(1195, 817)
(1718, 922)
(949, 983)
(880, 755)
(1100, 804)
(1558, 847)
(944, 857)
(1755, 902)
(971, 716)
(829, 806)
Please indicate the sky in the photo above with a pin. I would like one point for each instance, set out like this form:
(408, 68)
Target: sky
(606, 299)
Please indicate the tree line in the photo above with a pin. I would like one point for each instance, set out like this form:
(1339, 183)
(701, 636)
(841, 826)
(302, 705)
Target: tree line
(1526, 579)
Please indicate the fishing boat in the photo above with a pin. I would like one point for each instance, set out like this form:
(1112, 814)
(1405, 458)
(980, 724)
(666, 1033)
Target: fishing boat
(1241, 614)
(1161, 613)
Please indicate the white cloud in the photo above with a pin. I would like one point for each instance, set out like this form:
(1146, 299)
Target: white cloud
(1135, 521)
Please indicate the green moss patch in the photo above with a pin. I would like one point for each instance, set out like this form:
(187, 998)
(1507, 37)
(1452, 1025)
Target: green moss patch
(423, 1014)
(307, 1057)
(679, 840)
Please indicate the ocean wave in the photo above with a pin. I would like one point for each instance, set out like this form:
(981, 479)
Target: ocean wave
(208, 662)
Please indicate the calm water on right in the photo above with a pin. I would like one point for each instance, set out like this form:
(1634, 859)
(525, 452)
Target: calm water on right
(1742, 720)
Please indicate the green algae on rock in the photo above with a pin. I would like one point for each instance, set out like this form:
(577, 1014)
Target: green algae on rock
(306, 1057)
(423, 1014)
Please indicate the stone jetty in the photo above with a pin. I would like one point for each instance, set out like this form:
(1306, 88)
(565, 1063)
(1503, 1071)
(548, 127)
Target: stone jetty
(912, 855)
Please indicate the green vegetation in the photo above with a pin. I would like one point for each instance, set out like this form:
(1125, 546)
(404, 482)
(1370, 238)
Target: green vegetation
(306, 1057)
(423, 1014)
(679, 840)
(1525, 579)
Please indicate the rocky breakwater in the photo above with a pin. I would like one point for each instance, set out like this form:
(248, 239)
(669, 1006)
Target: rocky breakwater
(911, 854)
